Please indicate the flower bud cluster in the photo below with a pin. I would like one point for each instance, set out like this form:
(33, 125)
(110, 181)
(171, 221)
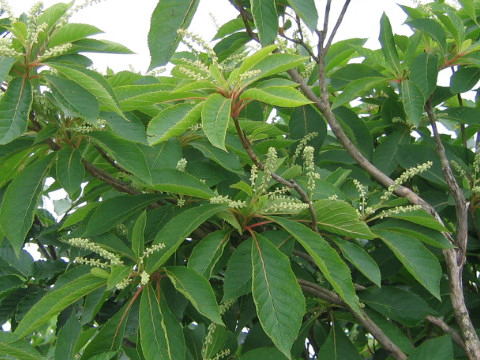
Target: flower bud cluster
(309, 166)
(91, 262)
(270, 166)
(190, 40)
(149, 251)
(253, 175)
(192, 74)
(144, 278)
(302, 144)
(408, 174)
(5, 6)
(88, 245)
(123, 284)
(249, 74)
(286, 204)
(234, 204)
(398, 210)
(6, 48)
(55, 51)
(181, 164)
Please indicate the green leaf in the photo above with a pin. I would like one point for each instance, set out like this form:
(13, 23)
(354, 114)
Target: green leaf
(197, 290)
(94, 83)
(360, 258)
(338, 346)
(388, 45)
(464, 79)
(237, 281)
(74, 97)
(138, 237)
(423, 72)
(20, 202)
(99, 46)
(161, 335)
(168, 17)
(385, 154)
(113, 211)
(463, 115)
(416, 258)
(278, 297)
(227, 160)
(439, 348)
(263, 353)
(79, 214)
(177, 230)
(172, 122)
(215, 118)
(397, 304)
(207, 253)
(69, 33)
(118, 273)
(67, 339)
(284, 96)
(128, 155)
(12, 163)
(307, 11)
(6, 64)
(432, 28)
(15, 109)
(340, 218)
(305, 120)
(149, 98)
(70, 170)
(421, 233)
(110, 337)
(57, 300)
(11, 347)
(329, 262)
(420, 217)
(271, 64)
(355, 88)
(178, 182)
(266, 20)
(251, 60)
(413, 101)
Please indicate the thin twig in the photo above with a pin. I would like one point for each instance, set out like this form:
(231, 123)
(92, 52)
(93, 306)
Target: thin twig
(440, 323)
(362, 318)
(110, 160)
(337, 25)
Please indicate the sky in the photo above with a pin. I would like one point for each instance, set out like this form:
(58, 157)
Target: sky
(127, 22)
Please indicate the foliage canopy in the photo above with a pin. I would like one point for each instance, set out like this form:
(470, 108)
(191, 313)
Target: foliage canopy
(272, 197)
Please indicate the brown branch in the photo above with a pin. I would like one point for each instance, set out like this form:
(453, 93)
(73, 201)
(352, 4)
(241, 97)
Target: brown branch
(440, 323)
(109, 179)
(455, 258)
(362, 318)
(110, 160)
(337, 25)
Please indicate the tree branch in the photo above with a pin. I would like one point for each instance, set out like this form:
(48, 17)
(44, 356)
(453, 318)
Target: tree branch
(362, 318)
(110, 160)
(440, 323)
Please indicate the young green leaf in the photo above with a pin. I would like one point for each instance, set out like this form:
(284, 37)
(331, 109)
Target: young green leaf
(439, 348)
(207, 253)
(266, 20)
(14, 109)
(20, 202)
(172, 122)
(69, 33)
(413, 101)
(176, 230)
(423, 72)
(285, 96)
(138, 236)
(74, 97)
(6, 64)
(197, 290)
(113, 211)
(329, 262)
(70, 170)
(432, 28)
(338, 346)
(237, 281)
(57, 300)
(307, 11)
(110, 337)
(179, 182)
(360, 258)
(161, 335)
(388, 45)
(278, 297)
(11, 347)
(67, 338)
(356, 88)
(416, 258)
(215, 119)
(168, 17)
